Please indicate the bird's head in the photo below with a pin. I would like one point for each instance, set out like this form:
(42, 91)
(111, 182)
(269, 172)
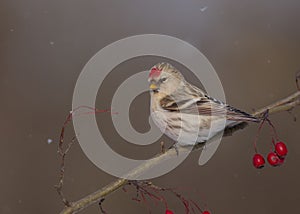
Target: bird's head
(164, 78)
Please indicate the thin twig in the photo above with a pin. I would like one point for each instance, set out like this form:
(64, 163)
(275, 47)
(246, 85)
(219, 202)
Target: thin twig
(59, 186)
(64, 151)
(147, 190)
(281, 105)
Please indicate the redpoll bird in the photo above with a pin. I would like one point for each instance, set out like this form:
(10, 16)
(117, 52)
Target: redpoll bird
(184, 112)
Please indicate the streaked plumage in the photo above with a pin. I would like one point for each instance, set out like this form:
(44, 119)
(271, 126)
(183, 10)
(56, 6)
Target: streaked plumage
(178, 107)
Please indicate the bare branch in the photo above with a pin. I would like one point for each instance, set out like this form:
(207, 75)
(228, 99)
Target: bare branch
(284, 104)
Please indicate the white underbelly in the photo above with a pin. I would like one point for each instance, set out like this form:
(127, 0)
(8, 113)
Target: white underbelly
(188, 130)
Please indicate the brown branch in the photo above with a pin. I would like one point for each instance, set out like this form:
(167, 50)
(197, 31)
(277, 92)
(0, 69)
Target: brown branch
(59, 186)
(62, 153)
(284, 104)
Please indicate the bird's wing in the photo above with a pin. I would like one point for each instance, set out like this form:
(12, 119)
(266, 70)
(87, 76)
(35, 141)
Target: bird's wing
(206, 105)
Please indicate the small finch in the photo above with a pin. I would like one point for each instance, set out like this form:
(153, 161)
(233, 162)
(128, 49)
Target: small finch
(184, 112)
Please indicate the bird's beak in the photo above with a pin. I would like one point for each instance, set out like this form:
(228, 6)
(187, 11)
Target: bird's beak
(153, 87)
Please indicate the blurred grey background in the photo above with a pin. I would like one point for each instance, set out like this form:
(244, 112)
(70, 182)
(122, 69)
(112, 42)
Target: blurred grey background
(253, 45)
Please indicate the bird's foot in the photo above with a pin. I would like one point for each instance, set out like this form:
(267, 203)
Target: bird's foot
(175, 146)
(162, 147)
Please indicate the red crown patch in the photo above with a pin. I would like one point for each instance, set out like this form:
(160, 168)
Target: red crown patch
(155, 72)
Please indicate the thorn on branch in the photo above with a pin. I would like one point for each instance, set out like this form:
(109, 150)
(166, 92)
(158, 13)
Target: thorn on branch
(101, 207)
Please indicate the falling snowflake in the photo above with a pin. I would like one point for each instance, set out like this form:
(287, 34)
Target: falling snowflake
(49, 140)
(203, 9)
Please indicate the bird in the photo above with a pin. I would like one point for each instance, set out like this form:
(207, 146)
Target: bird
(184, 112)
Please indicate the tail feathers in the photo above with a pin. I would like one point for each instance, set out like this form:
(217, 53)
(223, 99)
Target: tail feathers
(238, 115)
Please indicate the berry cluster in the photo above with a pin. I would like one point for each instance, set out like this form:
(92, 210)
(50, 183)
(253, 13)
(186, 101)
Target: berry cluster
(275, 158)
(277, 155)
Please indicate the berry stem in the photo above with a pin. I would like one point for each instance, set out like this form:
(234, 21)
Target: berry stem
(273, 130)
(257, 134)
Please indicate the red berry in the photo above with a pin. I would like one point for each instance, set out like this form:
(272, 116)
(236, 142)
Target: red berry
(281, 160)
(206, 212)
(280, 149)
(169, 212)
(273, 159)
(258, 161)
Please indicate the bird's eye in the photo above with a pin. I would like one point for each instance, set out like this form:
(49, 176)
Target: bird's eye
(163, 79)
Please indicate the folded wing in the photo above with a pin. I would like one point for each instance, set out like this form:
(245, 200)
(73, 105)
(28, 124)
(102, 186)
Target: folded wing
(206, 105)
